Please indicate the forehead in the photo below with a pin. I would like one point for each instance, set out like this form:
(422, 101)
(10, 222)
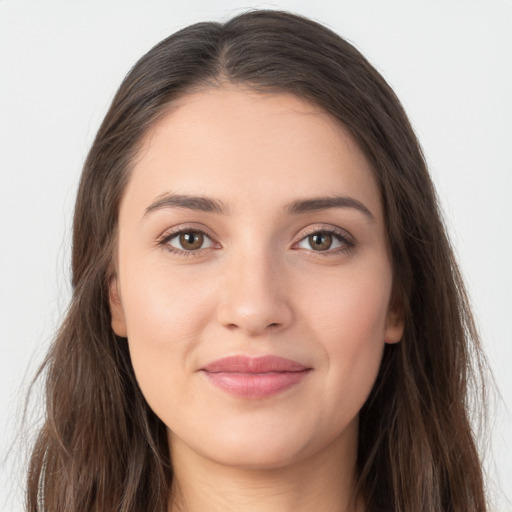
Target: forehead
(238, 145)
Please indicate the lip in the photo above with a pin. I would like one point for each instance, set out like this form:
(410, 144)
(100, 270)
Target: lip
(255, 377)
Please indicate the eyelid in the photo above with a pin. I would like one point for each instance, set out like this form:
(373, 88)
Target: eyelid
(169, 234)
(347, 240)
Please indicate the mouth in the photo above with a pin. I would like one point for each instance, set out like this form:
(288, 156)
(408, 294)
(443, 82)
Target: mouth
(255, 377)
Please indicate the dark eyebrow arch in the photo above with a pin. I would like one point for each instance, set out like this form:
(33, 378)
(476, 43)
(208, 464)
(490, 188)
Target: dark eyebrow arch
(198, 203)
(316, 204)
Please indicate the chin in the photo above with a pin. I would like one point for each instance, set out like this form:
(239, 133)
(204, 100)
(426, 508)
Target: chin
(260, 456)
(270, 446)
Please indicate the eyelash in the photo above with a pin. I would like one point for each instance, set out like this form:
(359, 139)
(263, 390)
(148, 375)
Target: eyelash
(346, 241)
(167, 237)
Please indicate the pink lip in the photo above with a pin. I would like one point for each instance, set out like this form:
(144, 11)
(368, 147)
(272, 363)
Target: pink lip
(255, 377)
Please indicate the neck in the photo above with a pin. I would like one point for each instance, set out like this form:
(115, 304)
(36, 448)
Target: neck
(323, 482)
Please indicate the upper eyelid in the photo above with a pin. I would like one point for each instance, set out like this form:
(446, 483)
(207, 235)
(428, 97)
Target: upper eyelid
(176, 230)
(322, 228)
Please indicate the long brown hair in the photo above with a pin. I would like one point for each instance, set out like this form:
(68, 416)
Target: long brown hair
(101, 447)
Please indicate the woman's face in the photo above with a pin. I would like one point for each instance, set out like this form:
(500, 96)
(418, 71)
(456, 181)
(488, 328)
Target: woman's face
(253, 278)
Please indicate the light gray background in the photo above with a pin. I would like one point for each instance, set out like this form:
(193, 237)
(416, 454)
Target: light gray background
(450, 62)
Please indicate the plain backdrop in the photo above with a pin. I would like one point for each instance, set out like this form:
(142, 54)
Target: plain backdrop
(449, 61)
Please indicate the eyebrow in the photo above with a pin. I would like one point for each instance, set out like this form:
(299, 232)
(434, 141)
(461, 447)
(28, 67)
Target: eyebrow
(209, 205)
(316, 204)
(198, 203)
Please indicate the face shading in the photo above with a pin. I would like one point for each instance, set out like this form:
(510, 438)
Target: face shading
(253, 279)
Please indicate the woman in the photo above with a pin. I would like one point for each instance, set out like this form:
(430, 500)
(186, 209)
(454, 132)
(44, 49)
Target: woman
(266, 311)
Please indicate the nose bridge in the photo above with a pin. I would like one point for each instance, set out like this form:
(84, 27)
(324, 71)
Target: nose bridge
(255, 296)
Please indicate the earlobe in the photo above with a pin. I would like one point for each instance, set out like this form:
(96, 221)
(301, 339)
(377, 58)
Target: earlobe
(395, 325)
(116, 309)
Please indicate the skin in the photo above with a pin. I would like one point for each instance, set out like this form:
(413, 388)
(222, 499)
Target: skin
(255, 287)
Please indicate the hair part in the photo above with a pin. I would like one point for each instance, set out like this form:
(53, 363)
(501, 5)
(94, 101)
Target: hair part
(102, 448)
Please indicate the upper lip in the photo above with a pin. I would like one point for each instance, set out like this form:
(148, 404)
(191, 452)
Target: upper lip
(247, 364)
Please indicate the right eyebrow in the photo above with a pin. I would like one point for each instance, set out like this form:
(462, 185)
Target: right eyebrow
(198, 203)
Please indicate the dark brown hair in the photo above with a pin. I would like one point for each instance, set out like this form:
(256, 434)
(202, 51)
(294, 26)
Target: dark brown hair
(101, 447)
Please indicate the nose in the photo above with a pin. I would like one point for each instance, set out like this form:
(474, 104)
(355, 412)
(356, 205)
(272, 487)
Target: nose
(255, 298)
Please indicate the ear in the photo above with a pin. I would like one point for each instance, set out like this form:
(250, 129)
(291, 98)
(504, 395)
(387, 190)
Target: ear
(395, 324)
(116, 309)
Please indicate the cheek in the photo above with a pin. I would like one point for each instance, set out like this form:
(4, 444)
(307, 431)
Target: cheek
(163, 305)
(164, 317)
(353, 305)
(350, 324)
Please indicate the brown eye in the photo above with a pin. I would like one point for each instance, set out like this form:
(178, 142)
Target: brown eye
(330, 242)
(320, 241)
(189, 241)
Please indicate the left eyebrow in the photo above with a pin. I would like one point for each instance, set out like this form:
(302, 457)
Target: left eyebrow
(316, 204)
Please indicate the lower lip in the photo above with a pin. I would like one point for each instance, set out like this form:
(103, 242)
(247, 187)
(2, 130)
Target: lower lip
(255, 385)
